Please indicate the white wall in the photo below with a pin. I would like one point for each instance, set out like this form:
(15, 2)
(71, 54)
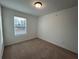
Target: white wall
(1, 36)
(8, 22)
(60, 28)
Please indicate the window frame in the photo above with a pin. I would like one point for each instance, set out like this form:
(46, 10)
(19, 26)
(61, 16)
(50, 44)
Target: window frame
(16, 33)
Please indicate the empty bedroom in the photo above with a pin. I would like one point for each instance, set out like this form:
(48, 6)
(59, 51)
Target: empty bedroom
(38, 29)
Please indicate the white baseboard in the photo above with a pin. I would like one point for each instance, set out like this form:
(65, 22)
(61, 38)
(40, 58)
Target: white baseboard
(11, 43)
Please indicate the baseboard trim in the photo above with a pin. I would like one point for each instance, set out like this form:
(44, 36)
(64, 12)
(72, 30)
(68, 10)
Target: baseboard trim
(60, 47)
(45, 41)
(20, 42)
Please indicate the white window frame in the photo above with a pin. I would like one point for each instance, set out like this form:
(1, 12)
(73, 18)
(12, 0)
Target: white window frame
(22, 22)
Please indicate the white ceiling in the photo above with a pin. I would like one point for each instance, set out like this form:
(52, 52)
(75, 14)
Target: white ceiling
(49, 6)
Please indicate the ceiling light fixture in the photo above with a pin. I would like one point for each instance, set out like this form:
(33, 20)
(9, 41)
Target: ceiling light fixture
(38, 4)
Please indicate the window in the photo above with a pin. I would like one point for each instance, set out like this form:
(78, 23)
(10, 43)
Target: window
(19, 25)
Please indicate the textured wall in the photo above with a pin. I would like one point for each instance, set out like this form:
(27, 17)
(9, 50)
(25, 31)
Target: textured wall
(60, 28)
(8, 25)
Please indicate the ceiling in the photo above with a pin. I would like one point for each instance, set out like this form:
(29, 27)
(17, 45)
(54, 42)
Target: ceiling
(26, 6)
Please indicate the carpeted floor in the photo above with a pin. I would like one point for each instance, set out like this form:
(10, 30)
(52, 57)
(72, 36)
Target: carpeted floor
(36, 49)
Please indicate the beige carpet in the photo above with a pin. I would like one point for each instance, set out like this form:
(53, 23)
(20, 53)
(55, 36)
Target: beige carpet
(36, 49)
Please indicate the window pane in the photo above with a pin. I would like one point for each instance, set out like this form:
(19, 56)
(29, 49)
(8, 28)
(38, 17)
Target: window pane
(19, 25)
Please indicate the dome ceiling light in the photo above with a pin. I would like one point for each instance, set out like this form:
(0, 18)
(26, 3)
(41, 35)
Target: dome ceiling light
(38, 4)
